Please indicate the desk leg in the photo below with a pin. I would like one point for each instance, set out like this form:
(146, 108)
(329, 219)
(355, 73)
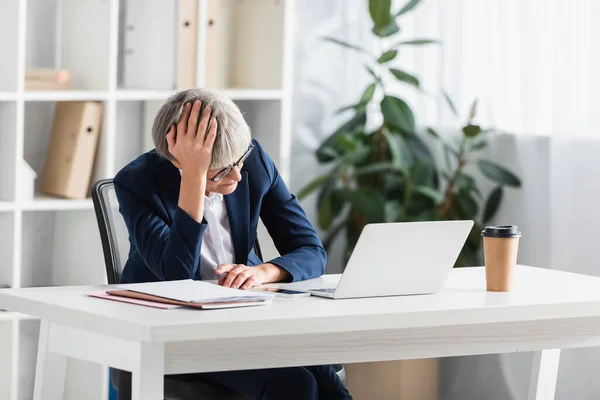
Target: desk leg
(543, 374)
(147, 378)
(50, 369)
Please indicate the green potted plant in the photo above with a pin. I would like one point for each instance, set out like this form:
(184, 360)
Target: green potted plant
(390, 174)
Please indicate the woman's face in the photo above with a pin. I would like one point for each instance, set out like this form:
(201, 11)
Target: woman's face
(226, 185)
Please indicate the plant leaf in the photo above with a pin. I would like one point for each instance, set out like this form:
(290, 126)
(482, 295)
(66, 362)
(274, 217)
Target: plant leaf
(450, 103)
(407, 7)
(471, 130)
(405, 77)
(497, 173)
(430, 192)
(359, 155)
(328, 152)
(332, 234)
(347, 141)
(380, 11)
(373, 168)
(338, 200)
(493, 203)
(465, 181)
(346, 108)
(418, 149)
(398, 149)
(388, 30)
(368, 94)
(479, 145)
(416, 42)
(447, 157)
(422, 172)
(312, 186)
(394, 212)
(467, 206)
(324, 201)
(387, 56)
(433, 133)
(473, 111)
(373, 74)
(397, 114)
(369, 203)
(344, 44)
(358, 120)
(325, 214)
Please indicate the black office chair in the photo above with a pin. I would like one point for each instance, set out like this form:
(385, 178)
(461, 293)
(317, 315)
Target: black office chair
(115, 244)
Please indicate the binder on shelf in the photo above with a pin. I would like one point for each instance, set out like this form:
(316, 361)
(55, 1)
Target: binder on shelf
(258, 45)
(47, 79)
(219, 29)
(149, 41)
(244, 44)
(71, 150)
(187, 44)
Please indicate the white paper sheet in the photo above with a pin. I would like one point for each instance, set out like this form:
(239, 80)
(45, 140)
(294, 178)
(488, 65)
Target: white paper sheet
(195, 291)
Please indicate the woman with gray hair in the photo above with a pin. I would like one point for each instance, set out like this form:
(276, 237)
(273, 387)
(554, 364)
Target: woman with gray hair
(192, 207)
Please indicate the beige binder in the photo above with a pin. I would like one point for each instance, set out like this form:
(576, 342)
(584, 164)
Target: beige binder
(188, 44)
(71, 150)
(47, 79)
(219, 37)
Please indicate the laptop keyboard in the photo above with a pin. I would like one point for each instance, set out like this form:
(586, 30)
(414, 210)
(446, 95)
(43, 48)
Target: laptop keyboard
(332, 290)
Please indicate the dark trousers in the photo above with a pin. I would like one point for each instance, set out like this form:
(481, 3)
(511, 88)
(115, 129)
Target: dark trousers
(294, 383)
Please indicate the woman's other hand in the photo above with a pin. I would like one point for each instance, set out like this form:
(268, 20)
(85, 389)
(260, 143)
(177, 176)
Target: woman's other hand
(240, 276)
(191, 142)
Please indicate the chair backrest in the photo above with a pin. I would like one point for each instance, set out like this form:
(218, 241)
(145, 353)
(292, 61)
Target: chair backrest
(113, 231)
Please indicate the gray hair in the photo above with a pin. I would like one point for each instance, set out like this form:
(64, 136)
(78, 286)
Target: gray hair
(233, 133)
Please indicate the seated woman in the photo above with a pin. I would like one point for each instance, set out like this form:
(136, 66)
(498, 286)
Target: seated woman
(192, 206)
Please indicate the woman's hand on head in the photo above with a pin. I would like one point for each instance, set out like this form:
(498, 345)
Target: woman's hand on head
(191, 141)
(240, 276)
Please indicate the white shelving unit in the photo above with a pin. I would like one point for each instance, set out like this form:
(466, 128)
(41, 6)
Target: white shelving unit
(50, 241)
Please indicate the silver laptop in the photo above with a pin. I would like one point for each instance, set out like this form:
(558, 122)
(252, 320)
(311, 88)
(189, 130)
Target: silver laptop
(401, 258)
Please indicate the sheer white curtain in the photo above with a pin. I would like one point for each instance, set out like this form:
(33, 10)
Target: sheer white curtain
(533, 66)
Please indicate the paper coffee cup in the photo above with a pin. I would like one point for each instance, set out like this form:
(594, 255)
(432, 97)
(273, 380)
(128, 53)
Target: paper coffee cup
(500, 248)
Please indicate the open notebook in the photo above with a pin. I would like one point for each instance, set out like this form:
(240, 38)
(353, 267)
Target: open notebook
(190, 293)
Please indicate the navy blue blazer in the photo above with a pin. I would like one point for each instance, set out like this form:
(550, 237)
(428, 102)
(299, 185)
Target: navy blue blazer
(165, 241)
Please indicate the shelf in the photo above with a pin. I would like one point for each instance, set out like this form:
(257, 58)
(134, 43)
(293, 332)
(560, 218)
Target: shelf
(8, 96)
(65, 95)
(47, 203)
(234, 94)
(252, 94)
(142, 95)
(6, 206)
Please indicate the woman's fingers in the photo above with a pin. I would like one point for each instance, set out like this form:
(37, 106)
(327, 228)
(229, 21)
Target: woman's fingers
(193, 119)
(223, 268)
(232, 275)
(183, 119)
(241, 278)
(212, 134)
(201, 132)
(250, 282)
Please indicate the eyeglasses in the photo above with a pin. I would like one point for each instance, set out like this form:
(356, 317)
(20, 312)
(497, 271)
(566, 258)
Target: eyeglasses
(225, 171)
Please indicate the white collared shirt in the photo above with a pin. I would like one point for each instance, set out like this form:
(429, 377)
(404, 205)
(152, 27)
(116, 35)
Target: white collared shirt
(217, 245)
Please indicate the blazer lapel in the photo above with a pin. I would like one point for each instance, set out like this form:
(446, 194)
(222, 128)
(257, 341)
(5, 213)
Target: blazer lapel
(238, 212)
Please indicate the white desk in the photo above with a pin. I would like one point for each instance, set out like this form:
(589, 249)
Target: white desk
(548, 310)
